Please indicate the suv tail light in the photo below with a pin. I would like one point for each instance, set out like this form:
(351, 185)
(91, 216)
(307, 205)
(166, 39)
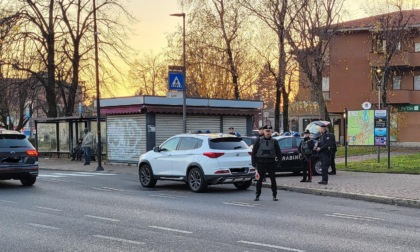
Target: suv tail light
(32, 153)
(213, 154)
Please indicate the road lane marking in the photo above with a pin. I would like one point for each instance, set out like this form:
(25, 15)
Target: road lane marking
(57, 181)
(100, 218)
(358, 216)
(47, 208)
(354, 217)
(43, 226)
(271, 246)
(118, 239)
(243, 204)
(166, 196)
(107, 189)
(93, 173)
(50, 176)
(113, 189)
(8, 201)
(73, 174)
(172, 229)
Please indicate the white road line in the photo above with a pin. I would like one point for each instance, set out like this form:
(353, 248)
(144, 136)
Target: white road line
(8, 201)
(347, 217)
(50, 176)
(118, 239)
(43, 226)
(271, 246)
(57, 181)
(113, 189)
(166, 196)
(172, 229)
(100, 218)
(73, 174)
(47, 208)
(107, 189)
(245, 204)
(92, 173)
(358, 216)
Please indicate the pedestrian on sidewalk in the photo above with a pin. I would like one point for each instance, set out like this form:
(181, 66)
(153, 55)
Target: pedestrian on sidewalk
(87, 145)
(266, 155)
(306, 147)
(324, 148)
(77, 151)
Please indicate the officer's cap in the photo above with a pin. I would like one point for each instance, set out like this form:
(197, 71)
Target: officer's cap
(268, 127)
(306, 132)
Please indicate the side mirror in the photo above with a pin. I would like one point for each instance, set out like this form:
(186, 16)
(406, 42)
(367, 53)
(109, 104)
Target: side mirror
(156, 149)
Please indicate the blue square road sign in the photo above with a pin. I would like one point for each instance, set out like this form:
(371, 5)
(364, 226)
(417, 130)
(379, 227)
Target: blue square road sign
(176, 81)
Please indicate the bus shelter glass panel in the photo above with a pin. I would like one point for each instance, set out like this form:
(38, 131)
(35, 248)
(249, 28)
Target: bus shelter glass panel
(64, 135)
(47, 137)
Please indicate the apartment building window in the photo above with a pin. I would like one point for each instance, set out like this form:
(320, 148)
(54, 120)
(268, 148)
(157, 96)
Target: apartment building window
(417, 47)
(417, 82)
(326, 87)
(396, 83)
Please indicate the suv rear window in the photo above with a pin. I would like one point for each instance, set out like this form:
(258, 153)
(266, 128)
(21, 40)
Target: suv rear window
(227, 143)
(14, 141)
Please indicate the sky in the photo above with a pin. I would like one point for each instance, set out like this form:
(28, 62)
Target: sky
(155, 22)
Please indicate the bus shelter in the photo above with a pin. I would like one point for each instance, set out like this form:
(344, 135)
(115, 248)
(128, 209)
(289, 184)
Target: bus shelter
(59, 135)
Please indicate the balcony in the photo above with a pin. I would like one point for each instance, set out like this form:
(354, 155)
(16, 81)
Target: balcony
(399, 59)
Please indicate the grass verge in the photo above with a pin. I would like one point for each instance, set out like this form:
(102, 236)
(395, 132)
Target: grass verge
(398, 164)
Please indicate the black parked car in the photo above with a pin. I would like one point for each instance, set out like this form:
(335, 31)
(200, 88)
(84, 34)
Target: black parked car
(289, 146)
(19, 159)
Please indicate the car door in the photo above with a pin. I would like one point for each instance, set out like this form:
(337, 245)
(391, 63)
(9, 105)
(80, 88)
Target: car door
(162, 161)
(290, 154)
(185, 154)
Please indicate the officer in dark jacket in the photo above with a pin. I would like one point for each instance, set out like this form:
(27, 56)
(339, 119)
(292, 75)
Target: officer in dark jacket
(324, 148)
(306, 146)
(265, 157)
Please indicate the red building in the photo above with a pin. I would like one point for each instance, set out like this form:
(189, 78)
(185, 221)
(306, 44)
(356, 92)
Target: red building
(357, 57)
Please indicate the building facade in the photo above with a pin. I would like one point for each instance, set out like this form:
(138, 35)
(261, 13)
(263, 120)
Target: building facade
(359, 54)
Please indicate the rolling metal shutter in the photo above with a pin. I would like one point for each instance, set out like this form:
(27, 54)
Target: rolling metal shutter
(203, 123)
(126, 137)
(167, 126)
(238, 122)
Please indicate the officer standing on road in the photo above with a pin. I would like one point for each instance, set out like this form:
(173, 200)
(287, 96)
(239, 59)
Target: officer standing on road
(305, 148)
(266, 155)
(324, 148)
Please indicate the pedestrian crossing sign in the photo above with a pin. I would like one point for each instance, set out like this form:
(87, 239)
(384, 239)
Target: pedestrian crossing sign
(176, 81)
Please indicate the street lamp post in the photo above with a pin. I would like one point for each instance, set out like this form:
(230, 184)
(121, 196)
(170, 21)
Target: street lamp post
(184, 72)
(381, 74)
(98, 106)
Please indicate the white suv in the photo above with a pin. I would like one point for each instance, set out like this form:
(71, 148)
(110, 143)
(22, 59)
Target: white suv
(199, 160)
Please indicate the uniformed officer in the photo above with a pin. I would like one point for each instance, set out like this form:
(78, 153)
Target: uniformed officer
(324, 148)
(266, 155)
(305, 148)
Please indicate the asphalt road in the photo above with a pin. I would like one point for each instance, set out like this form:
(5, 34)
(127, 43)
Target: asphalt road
(78, 211)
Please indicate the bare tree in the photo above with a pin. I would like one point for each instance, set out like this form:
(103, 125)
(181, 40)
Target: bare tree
(148, 75)
(309, 40)
(391, 36)
(274, 14)
(215, 32)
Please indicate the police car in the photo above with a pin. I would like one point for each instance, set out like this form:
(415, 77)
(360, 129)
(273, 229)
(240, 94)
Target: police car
(289, 146)
(199, 160)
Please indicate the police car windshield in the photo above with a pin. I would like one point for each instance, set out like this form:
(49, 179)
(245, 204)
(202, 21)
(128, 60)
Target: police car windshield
(227, 143)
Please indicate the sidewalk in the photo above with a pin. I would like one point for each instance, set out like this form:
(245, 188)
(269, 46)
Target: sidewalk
(395, 189)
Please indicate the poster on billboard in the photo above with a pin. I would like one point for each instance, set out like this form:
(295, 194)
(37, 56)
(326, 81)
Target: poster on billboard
(367, 127)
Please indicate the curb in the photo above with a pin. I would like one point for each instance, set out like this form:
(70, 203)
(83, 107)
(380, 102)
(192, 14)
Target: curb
(356, 196)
